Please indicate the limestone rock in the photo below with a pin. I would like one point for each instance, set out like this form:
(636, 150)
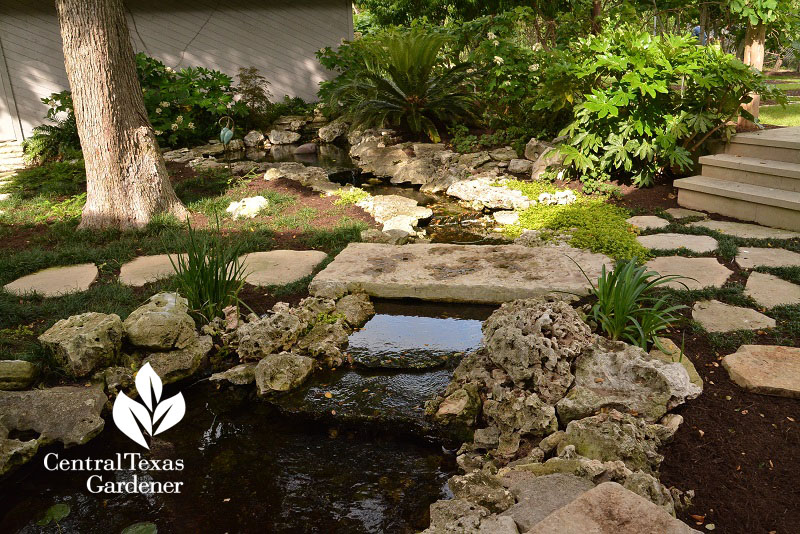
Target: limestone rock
(459, 411)
(15, 452)
(356, 308)
(385, 207)
(746, 231)
(647, 222)
(751, 257)
(537, 497)
(240, 375)
(670, 241)
(254, 139)
(67, 414)
(181, 363)
(445, 177)
(162, 323)
(683, 213)
(280, 267)
(418, 171)
(770, 291)
(306, 148)
(55, 281)
(282, 372)
(146, 269)
(473, 160)
(672, 354)
(82, 343)
(247, 208)
(180, 155)
(519, 166)
(456, 516)
(610, 509)
(535, 148)
(428, 150)
(506, 217)
(550, 157)
(618, 375)
(376, 158)
(391, 237)
(280, 137)
(325, 341)
(766, 369)
(716, 316)
(503, 154)
(535, 342)
(483, 490)
(402, 223)
(616, 436)
(17, 374)
(486, 438)
(333, 130)
(269, 335)
(519, 413)
(481, 192)
(699, 272)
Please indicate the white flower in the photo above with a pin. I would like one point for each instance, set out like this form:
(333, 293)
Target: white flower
(169, 69)
(498, 60)
(158, 110)
(174, 127)
(179, 119)
(496, 42)
(164, 104)
(158, 132)
(470, 71)
(537, 46)
(506, 83)
(190, 126)
(533, 67)
(229, 105)
(491, 36)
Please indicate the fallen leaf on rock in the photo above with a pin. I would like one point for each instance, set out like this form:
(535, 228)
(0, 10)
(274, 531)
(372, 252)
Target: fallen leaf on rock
(328, 395)
(696, 517)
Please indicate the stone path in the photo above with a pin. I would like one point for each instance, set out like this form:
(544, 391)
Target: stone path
(770, 291)
(716, 316)
(280, 267)
(747, 231)
(683, 213)
(457, 273)
(749, 258)
(766, 369)
(647, 222)
(696, 243)
(700, 272)
(146, 269)
(55, 281)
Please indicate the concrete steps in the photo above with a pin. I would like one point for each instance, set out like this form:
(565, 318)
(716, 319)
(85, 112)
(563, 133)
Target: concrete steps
(756, 177)
(11, 156)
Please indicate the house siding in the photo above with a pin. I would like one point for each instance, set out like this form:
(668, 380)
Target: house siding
(279, 37)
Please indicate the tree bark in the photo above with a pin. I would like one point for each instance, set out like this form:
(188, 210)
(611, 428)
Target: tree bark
(126, 177)
(753, 56)
(597, 11)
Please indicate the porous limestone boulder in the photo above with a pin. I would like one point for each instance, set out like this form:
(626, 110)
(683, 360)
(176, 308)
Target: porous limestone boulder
(15, 452)
(283, 137)
(282, 372)
(473, 160)
(356, 309)
(483, 490)
(390, 237)
(481, 192)
(83, 343)
(247, 208)
(458, 411)
(334, 130)
(162, 323)
(325, 341)
(17, 374)
(520, 166)
(386, 207)
(417, 171)
(519, 412)
(535, 342)
(402, 223)
(181, 363)
(271, 334)
(503, 154)
(617, 375)
(375, 157)
(254, 138)
(457, 516)
(239, 375)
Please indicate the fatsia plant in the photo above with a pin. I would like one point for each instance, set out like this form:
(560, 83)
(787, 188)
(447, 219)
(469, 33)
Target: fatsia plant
(398, 78)
(626, 308)
(210, 274)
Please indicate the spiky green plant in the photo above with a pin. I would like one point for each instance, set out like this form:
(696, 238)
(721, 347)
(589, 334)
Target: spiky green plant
(401, 80)
(210, 274)
(627, 310)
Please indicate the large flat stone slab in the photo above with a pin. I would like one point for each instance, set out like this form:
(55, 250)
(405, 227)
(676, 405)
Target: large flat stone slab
(767, 369)
(457, 273)
(55, 281)
(647, 222)
(669, 241)
(750, 257)
(146, 269)
(716, 316)
(770, 291)
(610, 509)
(700, 272)
(539, 496)
(746, 231)
(280, 267)
(683, 213)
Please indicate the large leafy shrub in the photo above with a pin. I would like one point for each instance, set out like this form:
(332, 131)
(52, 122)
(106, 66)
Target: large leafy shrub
(399, 78)
(56, 141)
(643, 103)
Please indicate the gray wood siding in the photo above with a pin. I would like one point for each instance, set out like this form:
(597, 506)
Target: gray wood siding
(279, 37)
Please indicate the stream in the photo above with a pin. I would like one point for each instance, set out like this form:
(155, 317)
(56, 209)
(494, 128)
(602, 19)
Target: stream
(347, 452)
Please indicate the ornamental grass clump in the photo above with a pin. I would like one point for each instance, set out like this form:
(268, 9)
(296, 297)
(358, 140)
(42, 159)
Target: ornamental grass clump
(626, 307)
(210, 274)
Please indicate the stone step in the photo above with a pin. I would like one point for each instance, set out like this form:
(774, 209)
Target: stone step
(764, 205)
(780, 144)
(754, 171)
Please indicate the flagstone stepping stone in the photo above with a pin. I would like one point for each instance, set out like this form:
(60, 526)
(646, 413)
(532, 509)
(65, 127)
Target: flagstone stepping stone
(146, 269)
(683, 213)
(716, 316)
(646, 222)
(747, 231)
(695, 243)
(458, 273)
(280, 267)
(766, 257)
(766, 369)
(55, 281)
(770, 291)
(699, 272)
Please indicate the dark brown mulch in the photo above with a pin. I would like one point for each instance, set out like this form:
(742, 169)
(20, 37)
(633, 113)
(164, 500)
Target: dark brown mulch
(19, 238)
(660, 196)
(260, 300)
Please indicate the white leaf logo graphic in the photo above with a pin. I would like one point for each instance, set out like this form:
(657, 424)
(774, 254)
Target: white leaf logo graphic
(135, 419)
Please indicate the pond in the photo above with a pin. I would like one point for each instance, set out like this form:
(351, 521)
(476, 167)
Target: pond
(252, 465)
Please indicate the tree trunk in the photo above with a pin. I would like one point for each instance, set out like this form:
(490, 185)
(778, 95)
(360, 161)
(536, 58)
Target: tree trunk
(753, 56)
(126, 178)
(597, 11)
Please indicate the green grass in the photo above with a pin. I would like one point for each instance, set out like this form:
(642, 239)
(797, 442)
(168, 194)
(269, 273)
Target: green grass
(781, 116)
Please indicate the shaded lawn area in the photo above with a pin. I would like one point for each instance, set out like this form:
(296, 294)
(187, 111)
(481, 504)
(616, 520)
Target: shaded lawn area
(781, 116)
(38, 229)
